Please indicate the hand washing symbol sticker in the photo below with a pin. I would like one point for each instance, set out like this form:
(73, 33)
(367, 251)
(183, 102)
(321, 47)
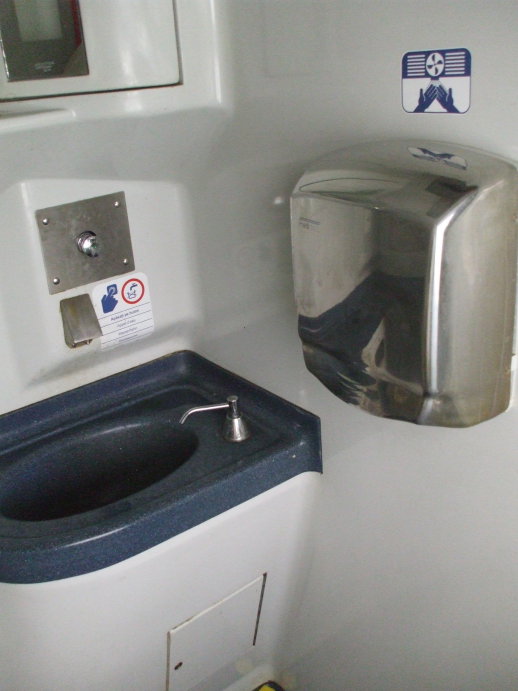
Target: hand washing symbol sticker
(436, 81)
(109, 301)
(133, 291)
(123, 308)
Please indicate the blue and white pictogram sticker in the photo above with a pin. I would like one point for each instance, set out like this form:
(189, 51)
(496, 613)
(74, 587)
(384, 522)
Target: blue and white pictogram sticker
(123, 308)
(436, 81)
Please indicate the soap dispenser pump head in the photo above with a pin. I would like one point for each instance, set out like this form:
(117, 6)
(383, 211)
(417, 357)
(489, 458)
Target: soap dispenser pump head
(234, 428)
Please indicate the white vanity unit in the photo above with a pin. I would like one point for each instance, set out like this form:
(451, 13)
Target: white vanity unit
(202, 610)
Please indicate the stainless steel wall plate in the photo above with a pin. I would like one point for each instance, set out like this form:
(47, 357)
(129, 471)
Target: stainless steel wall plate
(61, 228)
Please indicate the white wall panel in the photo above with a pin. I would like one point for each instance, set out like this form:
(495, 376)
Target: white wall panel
(414, 578)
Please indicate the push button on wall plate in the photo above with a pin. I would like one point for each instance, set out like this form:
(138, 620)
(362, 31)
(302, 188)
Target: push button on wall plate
(85, 241)
(88, 244)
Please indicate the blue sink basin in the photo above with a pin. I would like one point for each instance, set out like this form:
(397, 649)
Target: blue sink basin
(101, 473)
(80, 471)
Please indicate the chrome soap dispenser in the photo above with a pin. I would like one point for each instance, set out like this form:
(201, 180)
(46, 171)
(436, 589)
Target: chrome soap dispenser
(404, 258)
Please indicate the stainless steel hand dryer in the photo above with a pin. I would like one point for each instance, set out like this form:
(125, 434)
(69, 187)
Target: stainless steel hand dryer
(404, 259)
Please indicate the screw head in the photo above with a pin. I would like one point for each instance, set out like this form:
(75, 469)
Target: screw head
(117, 204)
(45, 221)
(125, 261)
(56, 281)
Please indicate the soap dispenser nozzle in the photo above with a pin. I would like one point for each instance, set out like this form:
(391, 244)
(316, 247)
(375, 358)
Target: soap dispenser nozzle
(234, 427)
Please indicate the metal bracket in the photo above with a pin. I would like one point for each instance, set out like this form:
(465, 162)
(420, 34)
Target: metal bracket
(80, 324)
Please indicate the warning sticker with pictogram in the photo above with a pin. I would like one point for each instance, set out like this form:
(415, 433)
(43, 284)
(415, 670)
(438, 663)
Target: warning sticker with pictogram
(436, 81)
(123, 308)
(133, 291)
